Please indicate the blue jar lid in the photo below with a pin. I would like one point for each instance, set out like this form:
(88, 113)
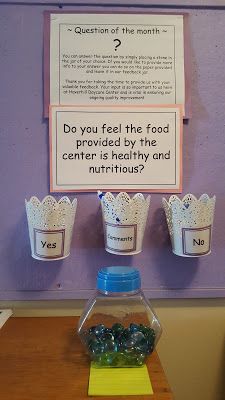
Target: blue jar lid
(118, 279)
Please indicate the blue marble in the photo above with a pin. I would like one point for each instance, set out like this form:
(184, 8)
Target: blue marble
(118, 346)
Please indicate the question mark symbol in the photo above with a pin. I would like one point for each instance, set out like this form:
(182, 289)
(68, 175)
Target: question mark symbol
(118, 43)
(142, 167)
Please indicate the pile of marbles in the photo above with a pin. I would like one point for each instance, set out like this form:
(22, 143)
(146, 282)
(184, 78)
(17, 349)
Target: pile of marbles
(119, 346)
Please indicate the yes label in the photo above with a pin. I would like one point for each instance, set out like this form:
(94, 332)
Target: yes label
(49, 244)
(196, 241)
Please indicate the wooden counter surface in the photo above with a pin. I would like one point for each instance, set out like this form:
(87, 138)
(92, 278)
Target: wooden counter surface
(43, 359)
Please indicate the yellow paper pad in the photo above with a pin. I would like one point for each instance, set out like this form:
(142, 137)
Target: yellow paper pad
(119, 381)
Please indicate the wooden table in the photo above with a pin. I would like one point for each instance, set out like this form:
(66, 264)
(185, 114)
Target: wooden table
(43, 359)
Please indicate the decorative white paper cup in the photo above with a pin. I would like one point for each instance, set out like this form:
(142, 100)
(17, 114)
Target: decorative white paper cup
(50, 226)
(190, 222)
(124, 221)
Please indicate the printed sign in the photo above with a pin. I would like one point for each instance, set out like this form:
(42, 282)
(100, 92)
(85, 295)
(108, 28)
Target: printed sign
(120, 238)
(196, 241)
(116, 59)
(116, 148)
(49, 244)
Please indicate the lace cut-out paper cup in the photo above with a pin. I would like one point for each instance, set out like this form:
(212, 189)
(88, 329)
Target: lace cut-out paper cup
(50, 227)
(124, 220)
(190, 222)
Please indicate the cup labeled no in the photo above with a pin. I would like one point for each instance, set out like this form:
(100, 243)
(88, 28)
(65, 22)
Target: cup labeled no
(124, 221)
(50, 224)
(190, 222)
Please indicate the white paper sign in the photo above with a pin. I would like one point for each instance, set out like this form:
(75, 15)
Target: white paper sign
(196, 241)
(115, 148)
(116, 59)
(4, 315)
(48, 244)
(120, 238)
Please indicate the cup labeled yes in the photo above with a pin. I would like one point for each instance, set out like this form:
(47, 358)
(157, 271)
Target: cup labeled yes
(50, 226)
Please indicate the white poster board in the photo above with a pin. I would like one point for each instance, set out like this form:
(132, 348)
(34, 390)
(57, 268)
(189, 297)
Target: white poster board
(116, 59)
(117, 148)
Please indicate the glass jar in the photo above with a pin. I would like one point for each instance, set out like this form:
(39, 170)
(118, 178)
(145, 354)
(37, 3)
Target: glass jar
(118, 326)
